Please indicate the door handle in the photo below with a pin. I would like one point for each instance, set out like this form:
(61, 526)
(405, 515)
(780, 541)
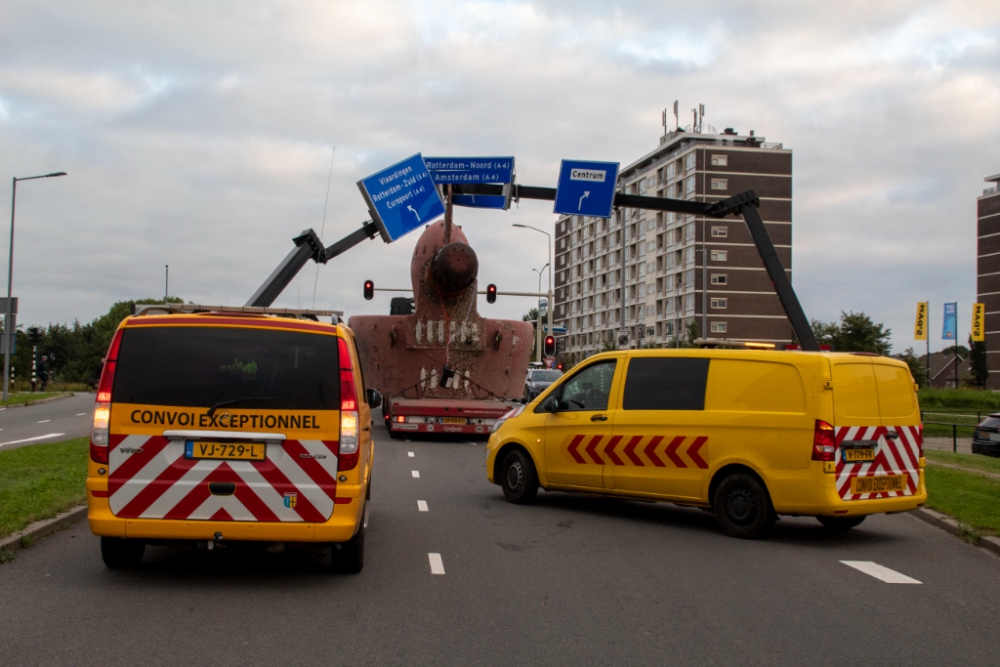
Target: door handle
(599, 418)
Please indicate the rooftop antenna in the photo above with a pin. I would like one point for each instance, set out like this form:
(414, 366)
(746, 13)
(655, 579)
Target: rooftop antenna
(664, 123)
(694, 120)
(677, 118)
(701, 116)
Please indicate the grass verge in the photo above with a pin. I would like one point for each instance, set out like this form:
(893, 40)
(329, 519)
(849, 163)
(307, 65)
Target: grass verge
(13, 399)
(973, 461)
(39, 481)
(966, 399)
(967, 497)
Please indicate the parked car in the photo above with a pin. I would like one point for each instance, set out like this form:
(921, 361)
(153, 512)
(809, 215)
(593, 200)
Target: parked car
(986, 439)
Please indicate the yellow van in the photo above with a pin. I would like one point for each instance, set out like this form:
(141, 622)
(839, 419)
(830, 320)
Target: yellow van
(749, 434)
(230, 425)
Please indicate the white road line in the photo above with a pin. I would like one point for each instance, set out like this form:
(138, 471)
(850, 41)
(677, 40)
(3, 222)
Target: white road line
(41, 437)
(880, 572)
(437, 565)
(421, 505)
(44, 421)
(410, 454)
(80, 414)
(415, 473)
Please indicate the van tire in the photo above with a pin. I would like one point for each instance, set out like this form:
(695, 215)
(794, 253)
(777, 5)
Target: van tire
(743, 507)
(122, 554)
(841, 522)
(518, 478)
(349, 557)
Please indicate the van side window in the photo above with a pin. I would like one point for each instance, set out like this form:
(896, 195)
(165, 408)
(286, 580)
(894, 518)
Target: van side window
(665, 384)
(589, 389)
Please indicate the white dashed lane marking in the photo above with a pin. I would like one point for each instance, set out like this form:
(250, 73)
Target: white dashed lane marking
(410, 454)
(437, 565)
(80, 414)
(44, 421)
(880, 572)
(415, 473)
(421, 505)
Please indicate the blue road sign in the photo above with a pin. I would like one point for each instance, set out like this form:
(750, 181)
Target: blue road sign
(401, 197)
(480, 201)
(471, 169)
(586, 188)
(556, 329)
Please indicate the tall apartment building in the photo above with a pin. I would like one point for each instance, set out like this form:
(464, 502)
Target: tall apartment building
(988, 273)
(674, 267)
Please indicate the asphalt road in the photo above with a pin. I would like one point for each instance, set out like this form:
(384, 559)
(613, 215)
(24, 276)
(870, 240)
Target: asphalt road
(61, 419)
(571, 580)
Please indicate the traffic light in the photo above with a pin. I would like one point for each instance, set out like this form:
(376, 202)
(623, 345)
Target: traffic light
(550, 346)
(35, 335)
(369, 290)
(491, 293)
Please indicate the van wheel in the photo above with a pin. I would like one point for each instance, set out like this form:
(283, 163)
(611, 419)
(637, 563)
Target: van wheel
(841, 522)
(122, 554)
(518, 478)
(349, 557)
(742, 507)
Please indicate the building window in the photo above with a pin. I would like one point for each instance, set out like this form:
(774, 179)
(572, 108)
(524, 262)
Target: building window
(720, 255)
(719, 303)
(720, 160)
(689, 185)
(720, 183)
(718, 327)
(719, 279)
(649, 289)
(720, 232)
(689, 162)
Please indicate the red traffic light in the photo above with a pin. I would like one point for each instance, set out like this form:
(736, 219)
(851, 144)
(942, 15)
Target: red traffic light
(491, 293)
(369, 289)
(550, 346)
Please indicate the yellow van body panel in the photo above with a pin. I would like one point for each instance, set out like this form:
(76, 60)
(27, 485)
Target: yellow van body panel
(760, 412)
(314, 425)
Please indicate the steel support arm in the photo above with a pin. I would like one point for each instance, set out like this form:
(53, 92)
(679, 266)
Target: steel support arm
(307, 246)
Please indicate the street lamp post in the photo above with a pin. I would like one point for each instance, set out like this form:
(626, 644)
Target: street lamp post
(550, 306)
(9, 334)
(538, 315)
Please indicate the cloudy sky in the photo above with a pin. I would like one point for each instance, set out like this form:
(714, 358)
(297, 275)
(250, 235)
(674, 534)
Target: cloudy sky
(199, 134)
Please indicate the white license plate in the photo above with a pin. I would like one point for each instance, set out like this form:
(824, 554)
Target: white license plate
(995, 437)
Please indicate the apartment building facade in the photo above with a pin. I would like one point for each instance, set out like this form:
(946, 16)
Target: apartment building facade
(988, 273)
(656, 273)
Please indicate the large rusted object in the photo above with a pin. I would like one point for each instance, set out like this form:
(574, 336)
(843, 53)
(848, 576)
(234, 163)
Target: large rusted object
(406, 355)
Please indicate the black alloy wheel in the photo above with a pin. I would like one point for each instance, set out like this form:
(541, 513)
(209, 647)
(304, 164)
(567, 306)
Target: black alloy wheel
(518, 478)
(743, 507)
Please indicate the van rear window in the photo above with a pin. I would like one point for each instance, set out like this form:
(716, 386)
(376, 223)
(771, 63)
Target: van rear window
(242, 367)
(665, 384)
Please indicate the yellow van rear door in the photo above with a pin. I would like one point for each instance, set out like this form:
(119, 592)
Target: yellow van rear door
(660, 444)
(900, 412)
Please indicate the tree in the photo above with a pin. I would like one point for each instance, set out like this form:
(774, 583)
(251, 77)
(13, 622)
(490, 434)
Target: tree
(917, 367)
(854, 333)
(530, 316)
(977, 361)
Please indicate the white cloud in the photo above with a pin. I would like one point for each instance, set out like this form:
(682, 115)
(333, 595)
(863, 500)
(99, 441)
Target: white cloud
(199, 134)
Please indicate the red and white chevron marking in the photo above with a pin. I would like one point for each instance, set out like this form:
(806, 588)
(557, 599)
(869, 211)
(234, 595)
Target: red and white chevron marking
(150, 479)
(893, 457)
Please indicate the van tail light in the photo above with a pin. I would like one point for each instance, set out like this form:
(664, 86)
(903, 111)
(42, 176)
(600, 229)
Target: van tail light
(920, 441)
(824, 442)
(349, 418)
(102, 409)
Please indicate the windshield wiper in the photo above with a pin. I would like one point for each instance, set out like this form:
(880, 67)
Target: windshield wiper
(243, 399)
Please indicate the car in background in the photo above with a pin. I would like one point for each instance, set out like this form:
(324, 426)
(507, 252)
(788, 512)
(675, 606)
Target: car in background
(986, 439)
(538, 380)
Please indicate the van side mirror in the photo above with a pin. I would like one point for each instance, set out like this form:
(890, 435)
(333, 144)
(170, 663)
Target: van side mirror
(374, 398)
(553, 404)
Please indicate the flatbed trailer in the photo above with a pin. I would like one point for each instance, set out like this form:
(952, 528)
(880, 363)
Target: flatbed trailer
(473, 417)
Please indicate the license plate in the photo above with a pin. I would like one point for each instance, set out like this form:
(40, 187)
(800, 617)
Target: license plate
(226, 451)
(995, 437)
(865, 454)
(453, 420)
(881, 484)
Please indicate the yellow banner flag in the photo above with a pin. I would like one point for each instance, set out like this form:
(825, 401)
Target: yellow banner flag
(920, 330)
(978, 322)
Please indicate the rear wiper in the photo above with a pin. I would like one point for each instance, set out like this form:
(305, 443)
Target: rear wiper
(243, 399)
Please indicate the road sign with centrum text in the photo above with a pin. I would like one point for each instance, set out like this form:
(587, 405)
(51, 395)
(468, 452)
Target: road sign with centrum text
(586, 188)
(401, 197)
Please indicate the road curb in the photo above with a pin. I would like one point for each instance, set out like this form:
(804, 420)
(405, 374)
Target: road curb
(946, 523)
(42, 400)
(40, 529)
